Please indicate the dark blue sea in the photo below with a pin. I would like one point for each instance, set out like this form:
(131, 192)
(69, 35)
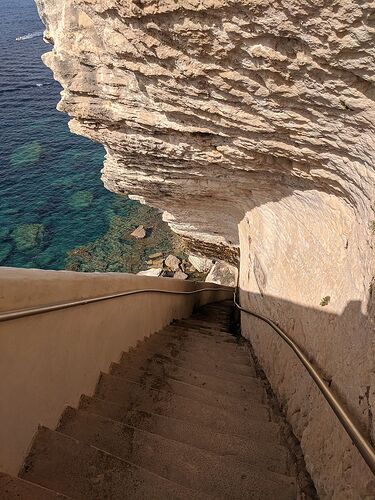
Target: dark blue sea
(54, 211)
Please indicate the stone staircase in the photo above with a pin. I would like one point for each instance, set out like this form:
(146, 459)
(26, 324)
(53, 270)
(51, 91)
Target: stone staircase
(181, 416)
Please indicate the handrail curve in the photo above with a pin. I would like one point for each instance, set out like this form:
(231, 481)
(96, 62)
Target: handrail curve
(23, 313)
(357, 437)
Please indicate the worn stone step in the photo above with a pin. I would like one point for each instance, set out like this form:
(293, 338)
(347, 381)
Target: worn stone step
(253, 450)
(228, 343)
(188, 344)
(201, 325)
(15, 488)
(174, 331)
(243, 389)
(211, 395)
(212, 314)
(187, 338)
(136, 396)
(148, 362)
(194, 354)
(196, 333)
(80, 471)
(197, 362)
(218, 421)
(267, 436)
(184, 464)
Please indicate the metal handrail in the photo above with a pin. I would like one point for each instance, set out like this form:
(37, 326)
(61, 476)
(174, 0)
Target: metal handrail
(358, 439)
(22, 313)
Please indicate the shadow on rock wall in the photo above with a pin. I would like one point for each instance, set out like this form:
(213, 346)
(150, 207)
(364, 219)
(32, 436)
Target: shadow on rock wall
(340, 346)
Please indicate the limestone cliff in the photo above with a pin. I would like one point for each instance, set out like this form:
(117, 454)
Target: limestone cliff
(251, 124)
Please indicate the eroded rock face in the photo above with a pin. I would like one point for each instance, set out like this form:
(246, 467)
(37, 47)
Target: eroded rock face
(257, 114)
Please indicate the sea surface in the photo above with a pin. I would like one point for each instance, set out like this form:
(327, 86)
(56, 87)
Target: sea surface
(54, 211)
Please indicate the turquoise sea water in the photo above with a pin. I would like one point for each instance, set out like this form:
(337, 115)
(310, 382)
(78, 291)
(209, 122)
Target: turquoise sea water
(52, 200)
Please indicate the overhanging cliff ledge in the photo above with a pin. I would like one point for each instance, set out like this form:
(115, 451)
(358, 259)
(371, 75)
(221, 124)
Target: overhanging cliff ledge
(250, 123)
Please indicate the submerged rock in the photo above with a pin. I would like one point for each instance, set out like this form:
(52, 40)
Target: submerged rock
(81, 199)
(139, 233)
(223, 274)
(201, 264)
(28, 237)
(27, 154)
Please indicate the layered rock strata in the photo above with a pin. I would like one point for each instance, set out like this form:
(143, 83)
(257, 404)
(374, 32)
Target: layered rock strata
(251, 124)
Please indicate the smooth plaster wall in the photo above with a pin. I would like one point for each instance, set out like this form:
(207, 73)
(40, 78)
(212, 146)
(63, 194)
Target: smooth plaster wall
(48, 361)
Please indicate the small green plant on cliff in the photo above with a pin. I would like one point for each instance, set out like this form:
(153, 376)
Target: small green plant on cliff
(372, 226)
(325, 301)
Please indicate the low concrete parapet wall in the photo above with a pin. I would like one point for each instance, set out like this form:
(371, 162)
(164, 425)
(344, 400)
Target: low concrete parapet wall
(47, 361)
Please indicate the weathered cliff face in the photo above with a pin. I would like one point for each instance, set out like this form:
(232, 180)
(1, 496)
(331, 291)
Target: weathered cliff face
(251, 124)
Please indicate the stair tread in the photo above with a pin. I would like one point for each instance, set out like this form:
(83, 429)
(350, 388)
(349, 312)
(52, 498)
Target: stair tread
(15, 488)
(218, 370)
(217, 421)
(187, 346)
(119, 389)
(198, 357)
(155, 365)
(180, 462)
(241, 389)
(175, 333)
(67, 465)
(186, 388)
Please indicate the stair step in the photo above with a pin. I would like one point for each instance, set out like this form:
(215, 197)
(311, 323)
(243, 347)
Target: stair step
(218, 420)
(15, 488)
(198, 332)
(156, 365)
(198, 358)
(252, 450)
(141, 396)
(138, 359)
(189, 343)
(194, 468)
(266, 436)
(175, 332)
(216, 395)
(200, 323)
(67, 465)
(239, 389)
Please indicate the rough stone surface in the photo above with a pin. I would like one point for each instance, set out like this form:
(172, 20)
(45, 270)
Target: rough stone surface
(259, 114)
(222, 274)
(139, 233)
(173, 262)
(154, 256)
(151, 272)
(180, 275)
(201, 264)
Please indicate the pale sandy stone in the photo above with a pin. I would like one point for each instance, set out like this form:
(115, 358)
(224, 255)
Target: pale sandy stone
(201, 264)
(139, 233)
(222, 274)
(173, 262)
(180, 275)
(151, 272)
